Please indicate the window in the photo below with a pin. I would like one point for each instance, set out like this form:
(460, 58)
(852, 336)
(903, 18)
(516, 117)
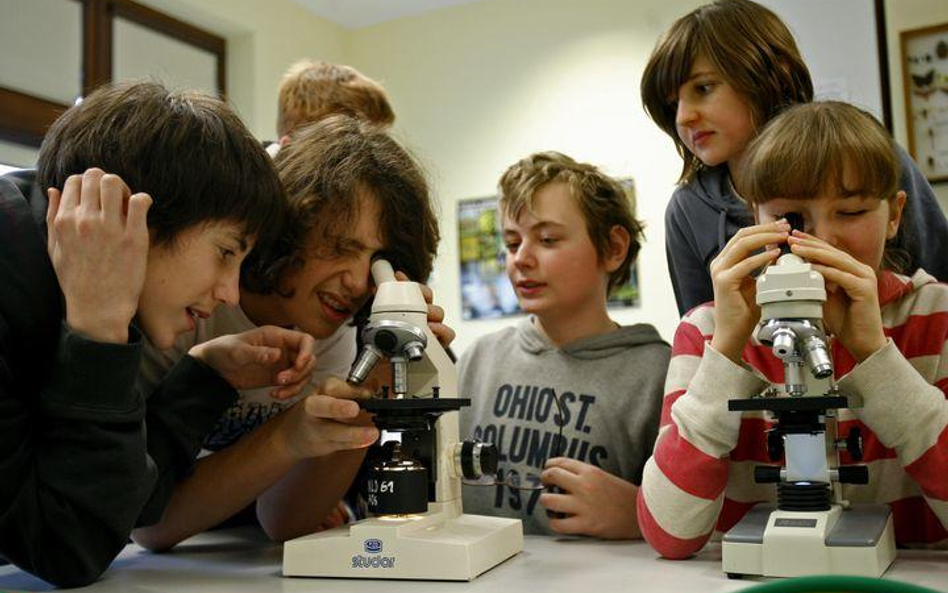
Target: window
(95, 41)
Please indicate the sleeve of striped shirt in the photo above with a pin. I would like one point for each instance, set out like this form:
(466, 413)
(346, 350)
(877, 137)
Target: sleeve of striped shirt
(684, 481)
(908, 411)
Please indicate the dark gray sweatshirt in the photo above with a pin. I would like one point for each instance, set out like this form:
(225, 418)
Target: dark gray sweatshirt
(610, 387)
(703, 215)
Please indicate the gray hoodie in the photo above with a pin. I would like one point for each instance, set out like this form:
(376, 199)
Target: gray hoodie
(610, 387)
(704, 214)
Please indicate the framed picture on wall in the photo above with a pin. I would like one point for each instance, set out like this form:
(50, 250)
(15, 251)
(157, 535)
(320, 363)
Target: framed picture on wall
(925, 78)
(486, 292)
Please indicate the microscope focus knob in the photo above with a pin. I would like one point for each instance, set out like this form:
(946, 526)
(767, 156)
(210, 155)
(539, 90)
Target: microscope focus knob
(853, 474)
(854, 443)
(774, 445)
(767, 474)
(477, 459)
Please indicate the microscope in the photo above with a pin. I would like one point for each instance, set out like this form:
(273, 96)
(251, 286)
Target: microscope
(413, 484)
(812, 530)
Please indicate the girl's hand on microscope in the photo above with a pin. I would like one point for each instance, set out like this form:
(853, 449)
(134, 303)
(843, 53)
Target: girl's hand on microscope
(441, 331)
(595, 502)
(262, 357)
(851, 311)
(326, 422)
(735, 289)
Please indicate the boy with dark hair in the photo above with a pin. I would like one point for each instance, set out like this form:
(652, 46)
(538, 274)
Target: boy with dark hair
(354, 195)
(568, 395)
(88, 275)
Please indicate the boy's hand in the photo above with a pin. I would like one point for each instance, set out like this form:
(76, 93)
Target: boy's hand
(328, 422)
(851, 311)
(441, 331)
(262, 357)
(596, 502)
(735, 289)
(98, 243)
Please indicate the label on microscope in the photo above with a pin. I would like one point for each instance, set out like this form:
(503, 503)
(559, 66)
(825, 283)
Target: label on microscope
(372, 546)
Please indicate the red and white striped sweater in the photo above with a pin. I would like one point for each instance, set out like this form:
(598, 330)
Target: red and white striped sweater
(700, 477)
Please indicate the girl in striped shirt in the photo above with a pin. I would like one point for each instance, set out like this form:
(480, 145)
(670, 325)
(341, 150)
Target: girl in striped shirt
(837, 167)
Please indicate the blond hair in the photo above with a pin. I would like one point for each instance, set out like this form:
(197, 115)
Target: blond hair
(602, 200)
(312, 89)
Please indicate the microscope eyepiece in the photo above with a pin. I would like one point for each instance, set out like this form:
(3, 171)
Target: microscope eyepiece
(795, 220)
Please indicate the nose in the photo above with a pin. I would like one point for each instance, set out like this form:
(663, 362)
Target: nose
(524, 257)
(685, 113)
(227, 289)
(822, 228)
(355, 278)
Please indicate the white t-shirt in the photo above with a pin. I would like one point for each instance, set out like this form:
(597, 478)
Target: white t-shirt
(334, 356)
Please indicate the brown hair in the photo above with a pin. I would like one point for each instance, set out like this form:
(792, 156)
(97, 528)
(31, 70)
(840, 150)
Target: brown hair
(824, 145)
(750, 47)
(325, 167)
(311, 90)
(602, 200)
(188, 150)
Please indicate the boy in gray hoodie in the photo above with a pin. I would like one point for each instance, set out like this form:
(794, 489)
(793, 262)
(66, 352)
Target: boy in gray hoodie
(571, 398)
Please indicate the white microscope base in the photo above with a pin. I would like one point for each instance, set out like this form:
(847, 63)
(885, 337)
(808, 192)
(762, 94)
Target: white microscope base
(801, 544)
(434, 546)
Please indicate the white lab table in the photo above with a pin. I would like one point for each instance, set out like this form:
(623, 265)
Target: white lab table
(242, 559)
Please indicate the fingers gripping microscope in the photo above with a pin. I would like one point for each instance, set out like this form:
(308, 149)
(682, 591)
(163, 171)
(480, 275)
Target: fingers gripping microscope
(812, 530)
(419, 530)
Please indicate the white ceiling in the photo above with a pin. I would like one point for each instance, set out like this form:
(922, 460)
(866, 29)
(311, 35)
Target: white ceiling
(354, 14)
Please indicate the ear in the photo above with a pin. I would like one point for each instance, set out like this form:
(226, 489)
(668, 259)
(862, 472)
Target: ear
(283, 140)
(619, 241)
(896, 205)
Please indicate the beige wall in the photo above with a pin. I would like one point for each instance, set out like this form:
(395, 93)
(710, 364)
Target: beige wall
(480, 85)
(263, 39)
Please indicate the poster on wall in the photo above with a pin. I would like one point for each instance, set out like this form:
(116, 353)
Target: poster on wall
(925, 72)
(486, 292)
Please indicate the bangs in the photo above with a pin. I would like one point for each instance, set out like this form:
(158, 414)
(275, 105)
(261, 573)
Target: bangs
(812, 149)
(668, 69)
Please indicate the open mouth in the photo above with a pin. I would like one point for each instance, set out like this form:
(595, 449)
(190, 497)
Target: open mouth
(339, 307)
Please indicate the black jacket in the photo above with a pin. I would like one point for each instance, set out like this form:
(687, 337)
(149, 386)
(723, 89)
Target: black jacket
(83, 457)
(704, 214)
